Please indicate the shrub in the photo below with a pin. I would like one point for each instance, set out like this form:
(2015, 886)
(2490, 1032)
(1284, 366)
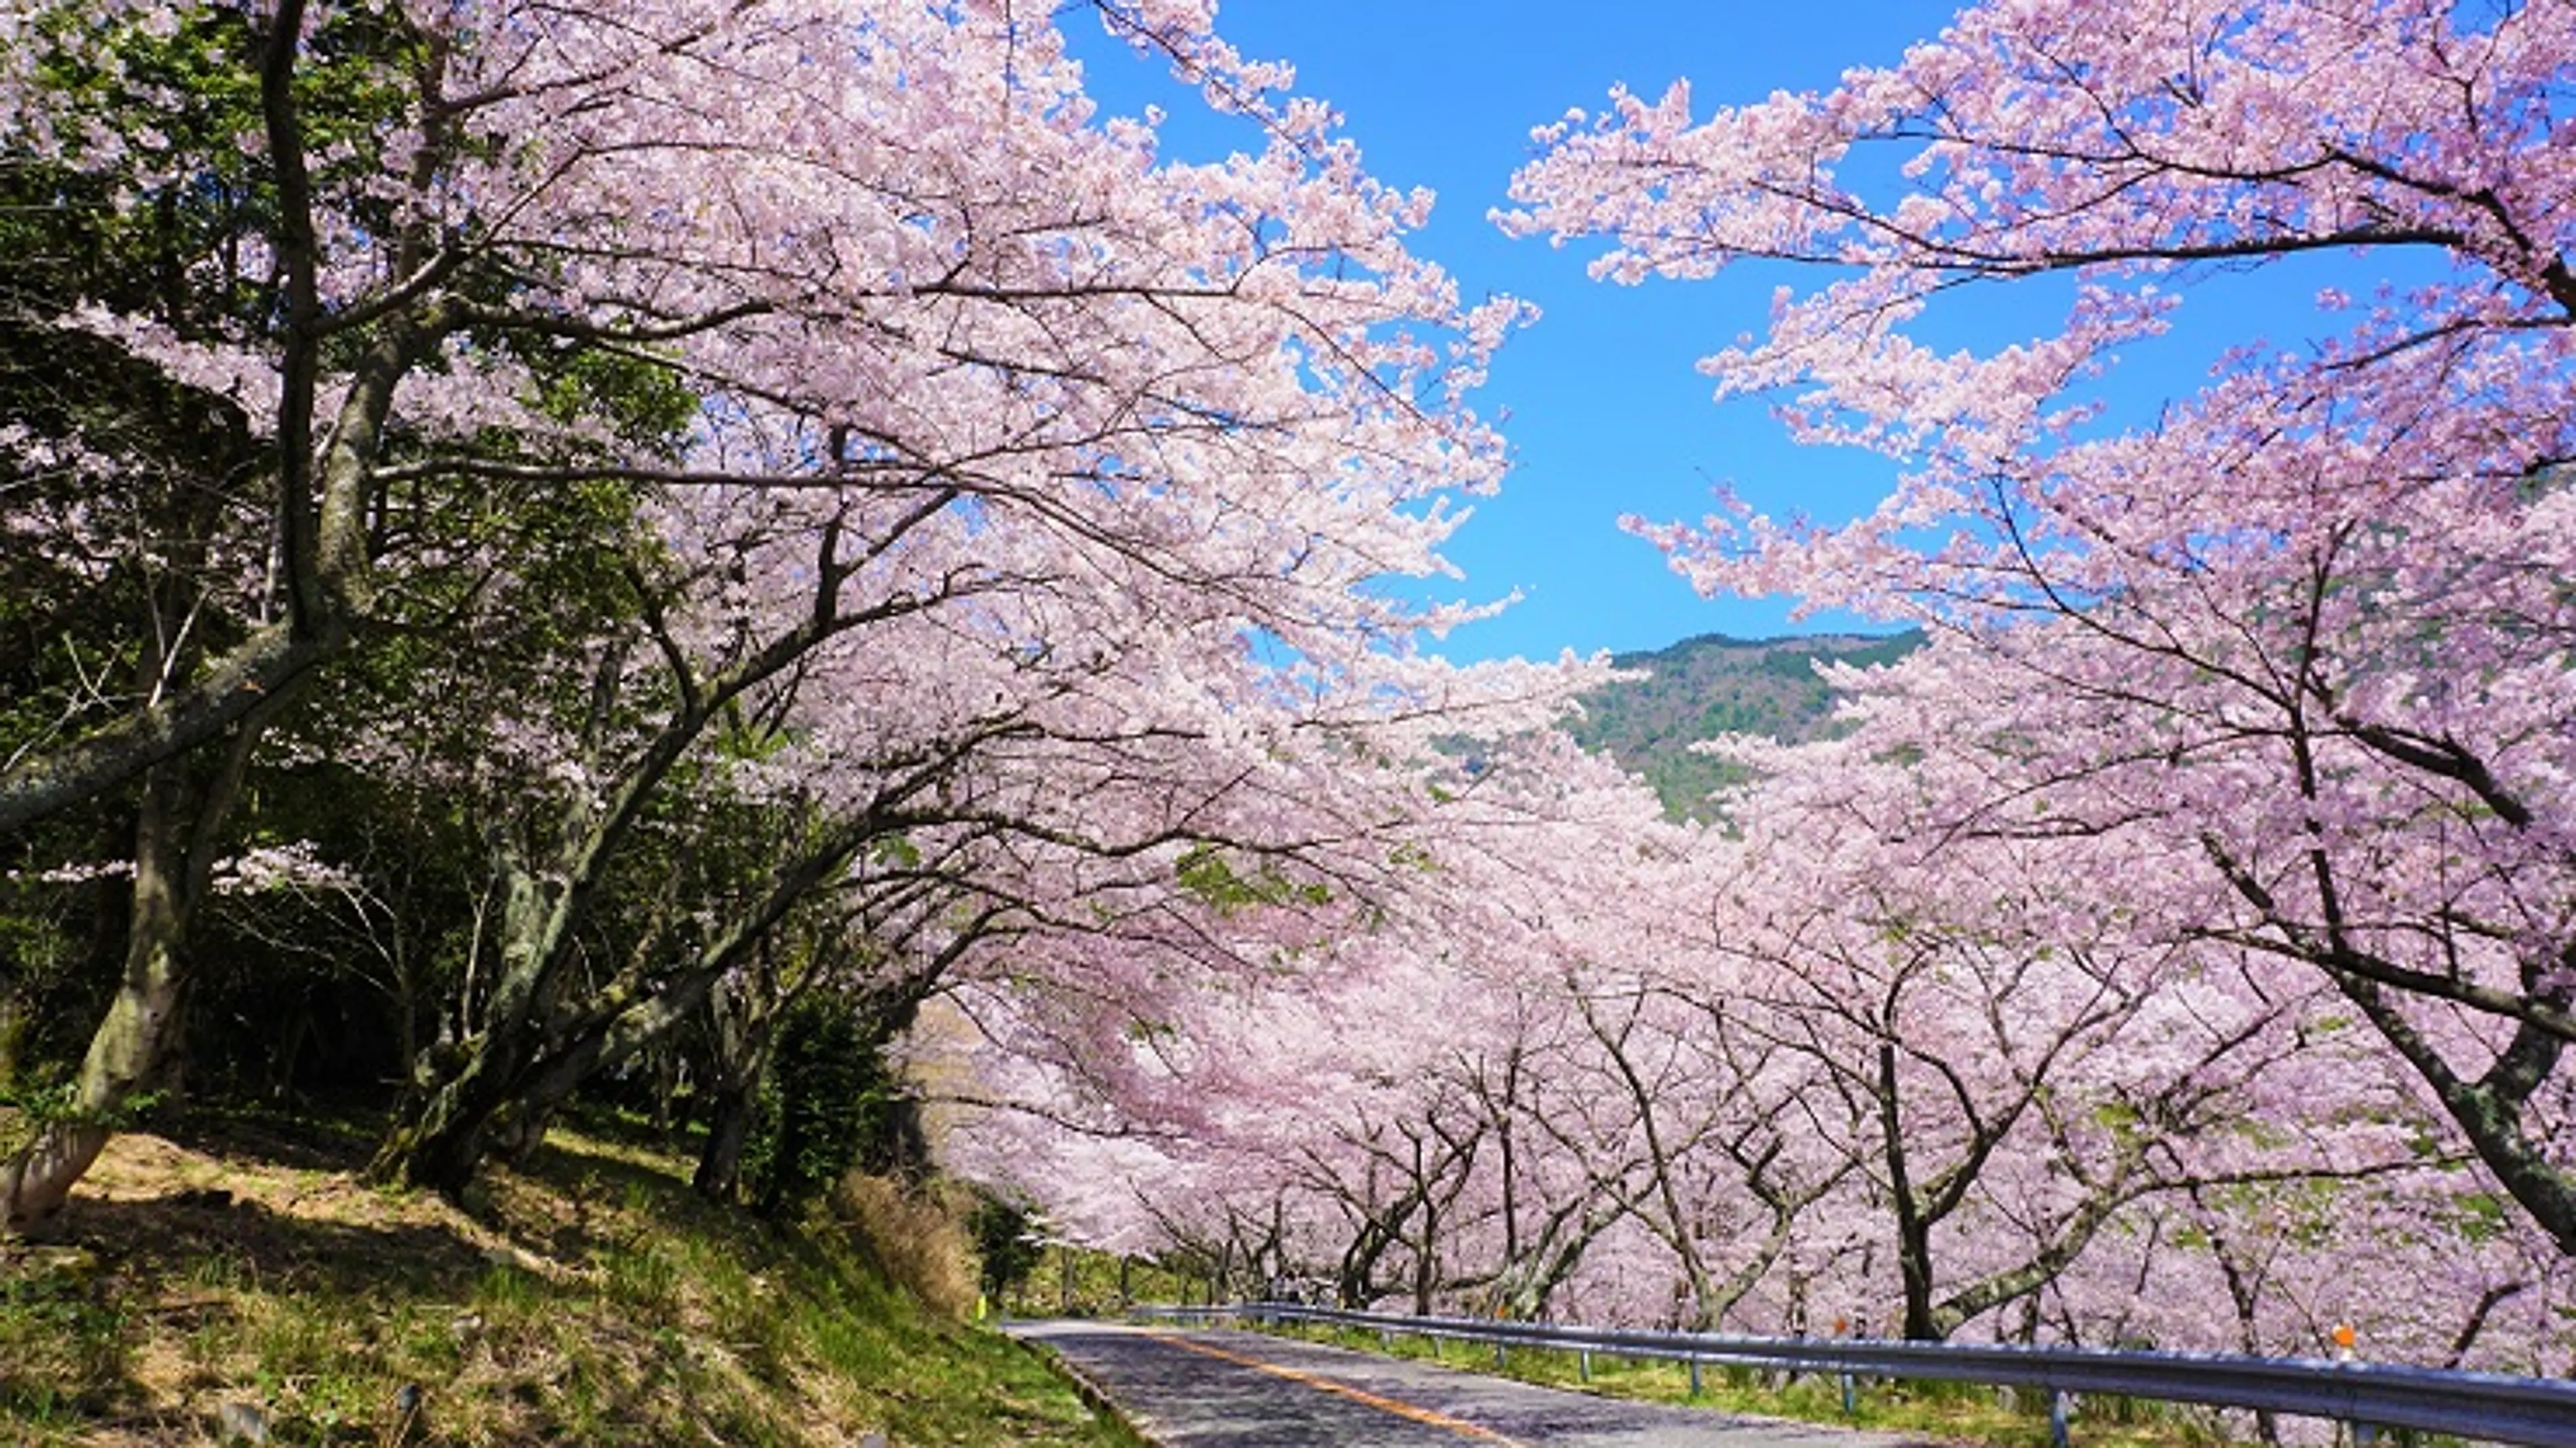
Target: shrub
(831, 1103)
(1006, 1243)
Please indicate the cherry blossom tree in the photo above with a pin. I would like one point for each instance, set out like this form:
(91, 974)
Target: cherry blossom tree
(1739, 1137)
(1415, 1114)
(1328, 1096)
(1823, 1063)
(2299, 643)
(978, 459)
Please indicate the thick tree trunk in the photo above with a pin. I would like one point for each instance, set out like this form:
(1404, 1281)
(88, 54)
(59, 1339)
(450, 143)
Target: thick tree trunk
(517, 1070)
(440, 1143)
(38, 1175)
(129, 1045)
(270, 661)
(1426, 1264)
(719, 1174)
(1914, 1265)
(1353, 1286)
(518, 1129)
(2489, 1110)
(443, 1141)
(1913, 1231)
(743, 1016)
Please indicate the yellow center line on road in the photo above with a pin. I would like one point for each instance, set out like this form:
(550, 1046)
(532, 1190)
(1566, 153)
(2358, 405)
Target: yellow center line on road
(1397, 1406)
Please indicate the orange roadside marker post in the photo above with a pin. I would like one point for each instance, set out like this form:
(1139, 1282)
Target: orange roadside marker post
(2363, 1434)
(1843, 1328)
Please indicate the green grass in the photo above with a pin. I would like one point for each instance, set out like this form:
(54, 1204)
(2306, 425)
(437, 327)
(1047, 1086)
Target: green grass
(62, 1353)
(1076, 1282)
(593, 1299)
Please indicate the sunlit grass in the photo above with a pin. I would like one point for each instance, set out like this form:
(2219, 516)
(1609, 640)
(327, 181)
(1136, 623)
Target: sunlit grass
(593, 1299)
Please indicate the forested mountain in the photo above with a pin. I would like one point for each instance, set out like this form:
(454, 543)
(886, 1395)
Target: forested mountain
(1711, 685)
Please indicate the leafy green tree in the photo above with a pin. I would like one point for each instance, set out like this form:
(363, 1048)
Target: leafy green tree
(832, 1103)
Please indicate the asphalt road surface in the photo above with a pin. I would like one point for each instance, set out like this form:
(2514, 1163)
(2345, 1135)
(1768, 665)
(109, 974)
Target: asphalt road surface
(1213, 1389)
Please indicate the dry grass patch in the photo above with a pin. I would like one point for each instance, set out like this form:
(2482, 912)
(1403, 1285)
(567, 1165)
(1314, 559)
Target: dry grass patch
(237, 1271)
(916, 1236)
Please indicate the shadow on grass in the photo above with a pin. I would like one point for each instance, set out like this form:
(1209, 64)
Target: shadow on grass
(196, 1235)
(237, 1259)
(317, 1142)
(594, 1172)
(105, 1285)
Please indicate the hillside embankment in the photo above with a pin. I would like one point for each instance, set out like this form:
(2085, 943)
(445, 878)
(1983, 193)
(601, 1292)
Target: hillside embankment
(232, 1279)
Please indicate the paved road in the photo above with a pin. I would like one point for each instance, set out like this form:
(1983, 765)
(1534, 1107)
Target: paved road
(1209, 1389)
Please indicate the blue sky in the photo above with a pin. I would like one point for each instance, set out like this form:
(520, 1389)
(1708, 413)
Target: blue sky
(1604, 409)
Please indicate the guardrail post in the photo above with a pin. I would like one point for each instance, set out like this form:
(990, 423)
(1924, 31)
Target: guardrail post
(1694, 1367)
(2362, 1433)
(1498, 1352)
(1843, 1328)
(1583, 1365)
(2056, 1419)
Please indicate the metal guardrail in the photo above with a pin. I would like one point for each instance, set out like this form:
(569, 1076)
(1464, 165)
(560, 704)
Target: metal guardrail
(2486, 1406)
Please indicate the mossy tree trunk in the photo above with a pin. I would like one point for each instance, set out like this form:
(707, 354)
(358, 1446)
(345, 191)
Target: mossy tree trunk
(719, 1174)
(179, 826)
(744, 1020)
(177, 830)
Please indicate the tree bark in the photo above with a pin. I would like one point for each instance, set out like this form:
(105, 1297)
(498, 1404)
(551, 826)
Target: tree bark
(2488, 1111)
(517, 1068)
(440, 1144)
(719, 1173)
(743, 1017)
(178, 827)
(128, 1045)
(1913, 1231)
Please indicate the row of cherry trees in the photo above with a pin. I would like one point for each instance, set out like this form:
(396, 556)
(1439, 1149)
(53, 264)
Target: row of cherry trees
(2180, 947)
(1825, 1068)
(601, 522)
(567, 534)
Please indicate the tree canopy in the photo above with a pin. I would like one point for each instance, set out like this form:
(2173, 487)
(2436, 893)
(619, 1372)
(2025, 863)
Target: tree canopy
(773, 566)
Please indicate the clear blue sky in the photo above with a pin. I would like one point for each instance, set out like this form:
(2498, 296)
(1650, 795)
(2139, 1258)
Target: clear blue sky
(1604, 409)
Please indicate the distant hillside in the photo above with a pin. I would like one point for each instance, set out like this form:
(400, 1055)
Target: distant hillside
(1711, 685)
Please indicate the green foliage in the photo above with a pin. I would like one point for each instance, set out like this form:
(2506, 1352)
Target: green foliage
(641, 401)
(58, 1103)
(2481, 1217)
(1072, 1281)
(1205, 871)
(829, 1102)
(1711, 685)
(162, 232)
(1007, 1243)
(50, 991)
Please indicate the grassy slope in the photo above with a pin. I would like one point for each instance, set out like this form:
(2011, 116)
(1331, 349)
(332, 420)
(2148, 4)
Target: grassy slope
(239, 1271)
